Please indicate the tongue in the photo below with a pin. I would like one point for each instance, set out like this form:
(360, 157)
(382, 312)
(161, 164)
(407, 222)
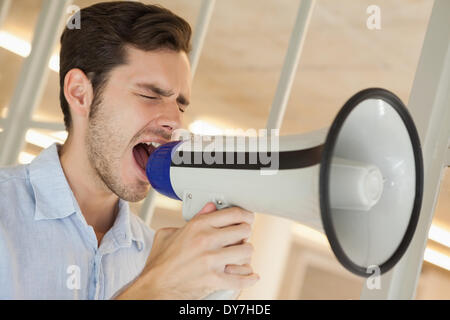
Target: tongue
(141, 155)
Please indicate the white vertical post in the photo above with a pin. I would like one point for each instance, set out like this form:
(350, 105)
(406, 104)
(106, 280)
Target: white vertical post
(201, 29)
(272, 235)
(429, 105)
(148, 207)
(291, 61)
(448, 157)
(4, 10)
(32, 80)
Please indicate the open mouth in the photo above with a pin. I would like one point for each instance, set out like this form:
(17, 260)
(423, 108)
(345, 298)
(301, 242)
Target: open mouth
(142, 152)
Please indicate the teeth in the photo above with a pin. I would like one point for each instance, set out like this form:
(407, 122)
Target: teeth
(154, 144)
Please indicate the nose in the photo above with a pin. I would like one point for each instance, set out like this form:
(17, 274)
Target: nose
(170, 118)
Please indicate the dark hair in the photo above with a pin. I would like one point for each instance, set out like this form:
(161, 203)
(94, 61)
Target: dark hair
(106, 29)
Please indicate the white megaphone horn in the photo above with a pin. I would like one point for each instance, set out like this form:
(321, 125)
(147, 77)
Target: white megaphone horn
(361, 183)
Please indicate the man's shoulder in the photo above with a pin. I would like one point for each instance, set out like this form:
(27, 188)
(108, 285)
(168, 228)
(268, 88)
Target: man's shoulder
(16, 194)
(13, 181)
(18, 172)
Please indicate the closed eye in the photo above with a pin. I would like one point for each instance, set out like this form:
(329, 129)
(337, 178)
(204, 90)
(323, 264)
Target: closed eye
(182, 109)
(148, 97)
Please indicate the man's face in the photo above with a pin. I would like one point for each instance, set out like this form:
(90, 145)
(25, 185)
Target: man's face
(142, 102)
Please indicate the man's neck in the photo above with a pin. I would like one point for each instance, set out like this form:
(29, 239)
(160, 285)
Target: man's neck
(98, 204)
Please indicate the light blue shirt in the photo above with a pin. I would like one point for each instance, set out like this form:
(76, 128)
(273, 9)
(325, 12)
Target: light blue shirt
(48, 251)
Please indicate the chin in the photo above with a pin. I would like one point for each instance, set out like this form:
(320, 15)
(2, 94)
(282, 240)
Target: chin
(132, 191)
(135, 194)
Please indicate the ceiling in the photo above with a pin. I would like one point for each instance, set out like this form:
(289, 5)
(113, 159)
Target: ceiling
(243, 54)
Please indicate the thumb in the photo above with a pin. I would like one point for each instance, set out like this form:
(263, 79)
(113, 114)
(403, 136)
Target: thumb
(208, 208)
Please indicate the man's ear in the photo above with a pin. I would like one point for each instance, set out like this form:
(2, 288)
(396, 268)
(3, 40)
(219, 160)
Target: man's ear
(78, 92)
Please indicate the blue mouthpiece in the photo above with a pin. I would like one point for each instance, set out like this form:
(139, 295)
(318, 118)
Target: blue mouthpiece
(158, 169)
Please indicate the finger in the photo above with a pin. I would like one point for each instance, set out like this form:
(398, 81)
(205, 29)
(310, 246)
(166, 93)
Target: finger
(244, 270)
(238, 254)
(232, 235)
(229, 216)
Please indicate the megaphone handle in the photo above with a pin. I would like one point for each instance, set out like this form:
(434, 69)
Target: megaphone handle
(222, 294)
(193, 201)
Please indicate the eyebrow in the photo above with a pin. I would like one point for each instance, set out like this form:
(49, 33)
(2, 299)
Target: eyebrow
(162, 92)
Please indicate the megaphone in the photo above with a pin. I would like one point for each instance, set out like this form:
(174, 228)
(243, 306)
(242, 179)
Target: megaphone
(360, 182)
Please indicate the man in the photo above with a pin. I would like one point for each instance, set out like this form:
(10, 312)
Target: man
(65, 227)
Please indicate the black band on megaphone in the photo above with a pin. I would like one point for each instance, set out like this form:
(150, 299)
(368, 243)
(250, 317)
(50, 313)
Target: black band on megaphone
(324, 180)
(292, 159)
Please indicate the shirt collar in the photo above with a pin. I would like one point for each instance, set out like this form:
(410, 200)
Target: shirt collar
(55, 199)
(124, 230)
(53, 196)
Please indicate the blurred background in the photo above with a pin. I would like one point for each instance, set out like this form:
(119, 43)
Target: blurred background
(234, 87)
